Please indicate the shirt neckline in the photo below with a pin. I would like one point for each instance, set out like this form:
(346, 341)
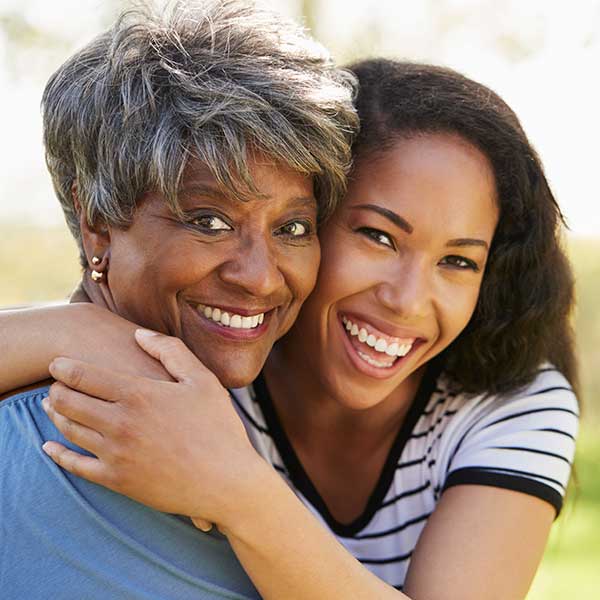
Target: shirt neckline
(302, 481)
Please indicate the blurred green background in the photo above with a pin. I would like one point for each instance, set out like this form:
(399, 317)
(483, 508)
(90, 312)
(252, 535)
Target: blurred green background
(518, 48)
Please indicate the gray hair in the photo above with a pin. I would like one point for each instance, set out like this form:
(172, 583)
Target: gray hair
(214, 81)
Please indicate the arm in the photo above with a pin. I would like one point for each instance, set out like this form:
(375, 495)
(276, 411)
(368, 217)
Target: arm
(480, 543)
(283, 548)
(31, 338)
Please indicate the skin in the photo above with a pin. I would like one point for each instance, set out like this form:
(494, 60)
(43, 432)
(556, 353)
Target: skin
(249, 257)
(405, 254)
(402, 281)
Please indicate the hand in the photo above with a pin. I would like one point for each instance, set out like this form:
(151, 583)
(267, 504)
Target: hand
(178, 447)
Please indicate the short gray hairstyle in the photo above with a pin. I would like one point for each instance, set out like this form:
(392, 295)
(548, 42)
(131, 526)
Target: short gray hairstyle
(215, 81)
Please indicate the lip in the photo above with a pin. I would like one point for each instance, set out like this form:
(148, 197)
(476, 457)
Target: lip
(371, 370)
(236, 310)
(230, 333)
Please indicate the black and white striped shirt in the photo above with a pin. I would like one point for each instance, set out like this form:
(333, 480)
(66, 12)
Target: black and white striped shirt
(524, 442)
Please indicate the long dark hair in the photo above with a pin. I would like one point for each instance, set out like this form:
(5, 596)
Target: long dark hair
(523, 315)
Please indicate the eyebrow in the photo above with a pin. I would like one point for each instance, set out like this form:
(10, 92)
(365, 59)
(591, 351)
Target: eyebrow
(459, 242)
(403, 224)
(395, 218)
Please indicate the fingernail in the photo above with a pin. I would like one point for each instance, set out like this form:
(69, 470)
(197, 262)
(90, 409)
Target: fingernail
(47, 448)
(145, 332)
(46, 404)
(57, 364)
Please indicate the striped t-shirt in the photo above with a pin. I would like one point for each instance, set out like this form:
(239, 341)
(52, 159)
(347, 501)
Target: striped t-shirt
(523, 442)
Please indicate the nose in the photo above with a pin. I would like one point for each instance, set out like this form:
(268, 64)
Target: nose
(255, 268)
(406, 290)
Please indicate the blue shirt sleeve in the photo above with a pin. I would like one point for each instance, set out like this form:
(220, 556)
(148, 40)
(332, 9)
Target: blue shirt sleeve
(65, 538)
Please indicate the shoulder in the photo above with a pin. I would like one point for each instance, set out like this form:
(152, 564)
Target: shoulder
(31, 393)
(523, 441)
(548, 401)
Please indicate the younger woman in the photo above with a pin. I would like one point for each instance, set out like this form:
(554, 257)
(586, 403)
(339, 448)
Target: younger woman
(421, 407)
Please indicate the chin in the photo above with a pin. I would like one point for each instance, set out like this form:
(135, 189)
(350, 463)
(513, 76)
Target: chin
(231, 371)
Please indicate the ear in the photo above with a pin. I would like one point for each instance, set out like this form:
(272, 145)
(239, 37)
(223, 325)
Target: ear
(95, 237)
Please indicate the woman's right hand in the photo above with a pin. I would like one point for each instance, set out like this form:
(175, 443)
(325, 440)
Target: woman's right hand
(30, 339)
(179, 447)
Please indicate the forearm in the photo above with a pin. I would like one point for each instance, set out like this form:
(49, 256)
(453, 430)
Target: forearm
(30, 339)
(288, 554)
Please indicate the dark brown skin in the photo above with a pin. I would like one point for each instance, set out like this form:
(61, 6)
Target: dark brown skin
(254, 256)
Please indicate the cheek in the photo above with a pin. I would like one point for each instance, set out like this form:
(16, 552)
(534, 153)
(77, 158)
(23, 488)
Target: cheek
(458, 307)
(302, 270)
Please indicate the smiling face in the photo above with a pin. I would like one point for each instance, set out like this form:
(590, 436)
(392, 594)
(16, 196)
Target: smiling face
(402, 263)
(230, 278)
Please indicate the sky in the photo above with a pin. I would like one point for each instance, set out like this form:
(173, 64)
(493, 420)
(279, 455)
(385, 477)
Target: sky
(541, 56)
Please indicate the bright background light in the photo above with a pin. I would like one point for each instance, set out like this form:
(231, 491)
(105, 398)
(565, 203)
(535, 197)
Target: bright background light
(542, 56)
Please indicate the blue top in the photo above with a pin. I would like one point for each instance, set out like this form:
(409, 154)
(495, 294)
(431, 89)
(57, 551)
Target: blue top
(65, 538)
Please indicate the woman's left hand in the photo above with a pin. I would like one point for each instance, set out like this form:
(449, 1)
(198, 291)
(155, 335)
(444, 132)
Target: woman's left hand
(177, 447)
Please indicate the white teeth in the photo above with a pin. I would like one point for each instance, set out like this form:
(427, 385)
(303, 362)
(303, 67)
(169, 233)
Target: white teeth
(373, 362)
(228, 320)
(404, 349)
(392, 349)
(378, 344)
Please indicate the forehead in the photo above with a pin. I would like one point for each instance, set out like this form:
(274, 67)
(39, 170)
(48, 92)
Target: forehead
(434, 181)
(272, 181)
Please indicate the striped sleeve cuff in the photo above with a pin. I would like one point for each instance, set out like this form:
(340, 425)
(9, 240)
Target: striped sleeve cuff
(532, 487)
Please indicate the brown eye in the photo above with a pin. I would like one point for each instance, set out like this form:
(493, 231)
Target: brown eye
(378, 236)
(211, 223)
(459, 262)
(296, 229)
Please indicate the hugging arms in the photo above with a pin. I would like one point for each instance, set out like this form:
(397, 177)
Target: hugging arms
(408, 404)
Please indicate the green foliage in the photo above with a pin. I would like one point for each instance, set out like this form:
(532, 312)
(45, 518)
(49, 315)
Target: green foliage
(585, 256)
(570, 565)
(36, 265)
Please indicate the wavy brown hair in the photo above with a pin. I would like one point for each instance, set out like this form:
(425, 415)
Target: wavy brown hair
(523, 315)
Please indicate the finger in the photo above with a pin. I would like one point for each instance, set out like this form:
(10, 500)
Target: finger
(93, 380)
(78, 434)
(87, 410)
(202, 524)
(174, 355)
(82, 466)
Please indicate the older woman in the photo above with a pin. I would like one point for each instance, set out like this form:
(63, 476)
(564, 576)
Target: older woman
(193, 157)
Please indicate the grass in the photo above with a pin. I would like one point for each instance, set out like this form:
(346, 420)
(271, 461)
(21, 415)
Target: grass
(40, 265)
(570, 564)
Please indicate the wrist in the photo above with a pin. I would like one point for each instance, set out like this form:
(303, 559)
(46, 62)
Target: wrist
(252, 500)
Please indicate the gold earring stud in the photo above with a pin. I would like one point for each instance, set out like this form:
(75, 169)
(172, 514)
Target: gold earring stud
(96, 260)
(97, 276)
